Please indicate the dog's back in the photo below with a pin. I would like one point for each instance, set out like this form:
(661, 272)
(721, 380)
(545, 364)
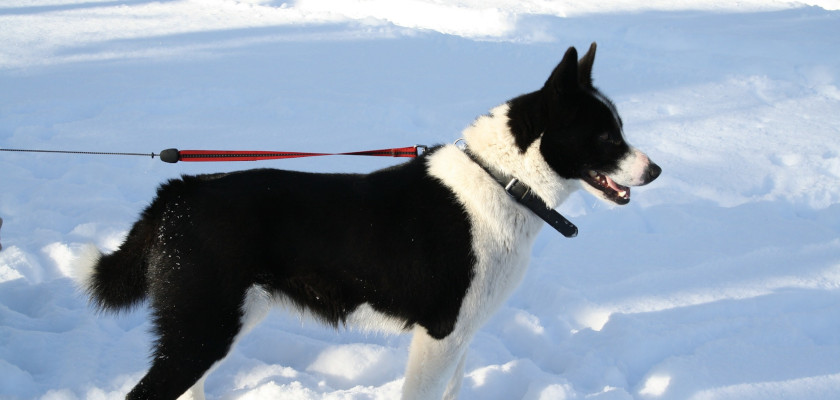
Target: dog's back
(395, 240)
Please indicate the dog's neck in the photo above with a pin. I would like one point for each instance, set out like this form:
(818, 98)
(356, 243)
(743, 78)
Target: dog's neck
(491, 142)
(526, 197)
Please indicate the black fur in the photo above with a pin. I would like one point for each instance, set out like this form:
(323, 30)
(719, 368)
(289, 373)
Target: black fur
(574, 119)
(396, 239)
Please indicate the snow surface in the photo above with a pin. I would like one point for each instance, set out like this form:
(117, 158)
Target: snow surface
(721, 280)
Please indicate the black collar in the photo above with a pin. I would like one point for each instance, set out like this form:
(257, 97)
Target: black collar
(526, 197)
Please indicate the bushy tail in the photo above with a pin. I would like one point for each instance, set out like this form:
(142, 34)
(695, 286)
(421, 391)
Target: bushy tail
(117, 281)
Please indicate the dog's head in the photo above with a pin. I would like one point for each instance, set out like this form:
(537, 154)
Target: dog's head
(579, 132)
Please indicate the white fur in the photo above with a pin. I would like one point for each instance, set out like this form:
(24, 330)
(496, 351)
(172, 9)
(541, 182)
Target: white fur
(503, 233)
(366, 319)
(258, 302)
(255, 307)
(489, 137)
(632, 169)
(83, 265)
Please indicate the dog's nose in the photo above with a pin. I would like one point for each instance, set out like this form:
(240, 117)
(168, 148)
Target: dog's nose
(653, 172)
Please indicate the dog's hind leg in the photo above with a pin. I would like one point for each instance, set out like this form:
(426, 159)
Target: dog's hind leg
(192, 339)
(255, 308)
(435, 366)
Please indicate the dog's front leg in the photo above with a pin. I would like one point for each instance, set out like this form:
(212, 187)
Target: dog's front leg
(454, 386)
(434, 366)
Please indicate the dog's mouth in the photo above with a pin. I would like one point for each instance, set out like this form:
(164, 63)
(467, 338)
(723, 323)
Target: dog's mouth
(612, 191)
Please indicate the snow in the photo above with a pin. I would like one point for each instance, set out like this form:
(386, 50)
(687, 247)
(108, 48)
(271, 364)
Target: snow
(721, 280)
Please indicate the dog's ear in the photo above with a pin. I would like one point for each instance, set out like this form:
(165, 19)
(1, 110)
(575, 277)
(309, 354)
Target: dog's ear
(564, 78)
(585, 67)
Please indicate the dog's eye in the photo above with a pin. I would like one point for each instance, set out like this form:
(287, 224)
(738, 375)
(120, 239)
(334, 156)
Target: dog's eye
(606, 137)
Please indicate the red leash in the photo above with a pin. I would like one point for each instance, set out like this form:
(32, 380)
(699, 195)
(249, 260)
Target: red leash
(175, 155)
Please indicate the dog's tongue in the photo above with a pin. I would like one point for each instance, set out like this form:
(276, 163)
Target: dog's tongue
(612, 184)
(621, 190)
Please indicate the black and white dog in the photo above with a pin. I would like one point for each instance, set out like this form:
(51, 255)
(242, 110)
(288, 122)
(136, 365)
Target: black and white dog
(433, 246)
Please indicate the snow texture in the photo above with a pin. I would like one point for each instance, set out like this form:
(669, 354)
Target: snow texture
(721, 280)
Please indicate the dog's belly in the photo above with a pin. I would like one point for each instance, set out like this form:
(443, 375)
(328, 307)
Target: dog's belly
(365, 318)
(258, 302)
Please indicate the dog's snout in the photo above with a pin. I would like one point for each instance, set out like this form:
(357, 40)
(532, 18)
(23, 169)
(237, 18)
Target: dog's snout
(652, 173)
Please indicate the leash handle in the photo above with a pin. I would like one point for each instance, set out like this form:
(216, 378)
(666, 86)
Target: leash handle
(175, 155)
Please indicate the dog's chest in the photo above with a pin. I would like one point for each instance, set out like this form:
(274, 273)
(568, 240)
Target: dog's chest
(501, 263)
(502, 232)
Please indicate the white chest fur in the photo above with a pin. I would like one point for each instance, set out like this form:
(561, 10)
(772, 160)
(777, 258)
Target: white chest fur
(502, 231)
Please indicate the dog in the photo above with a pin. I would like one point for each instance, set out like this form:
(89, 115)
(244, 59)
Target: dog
(433, 246)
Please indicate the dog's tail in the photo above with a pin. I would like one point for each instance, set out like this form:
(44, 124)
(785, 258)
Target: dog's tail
(118, 281)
